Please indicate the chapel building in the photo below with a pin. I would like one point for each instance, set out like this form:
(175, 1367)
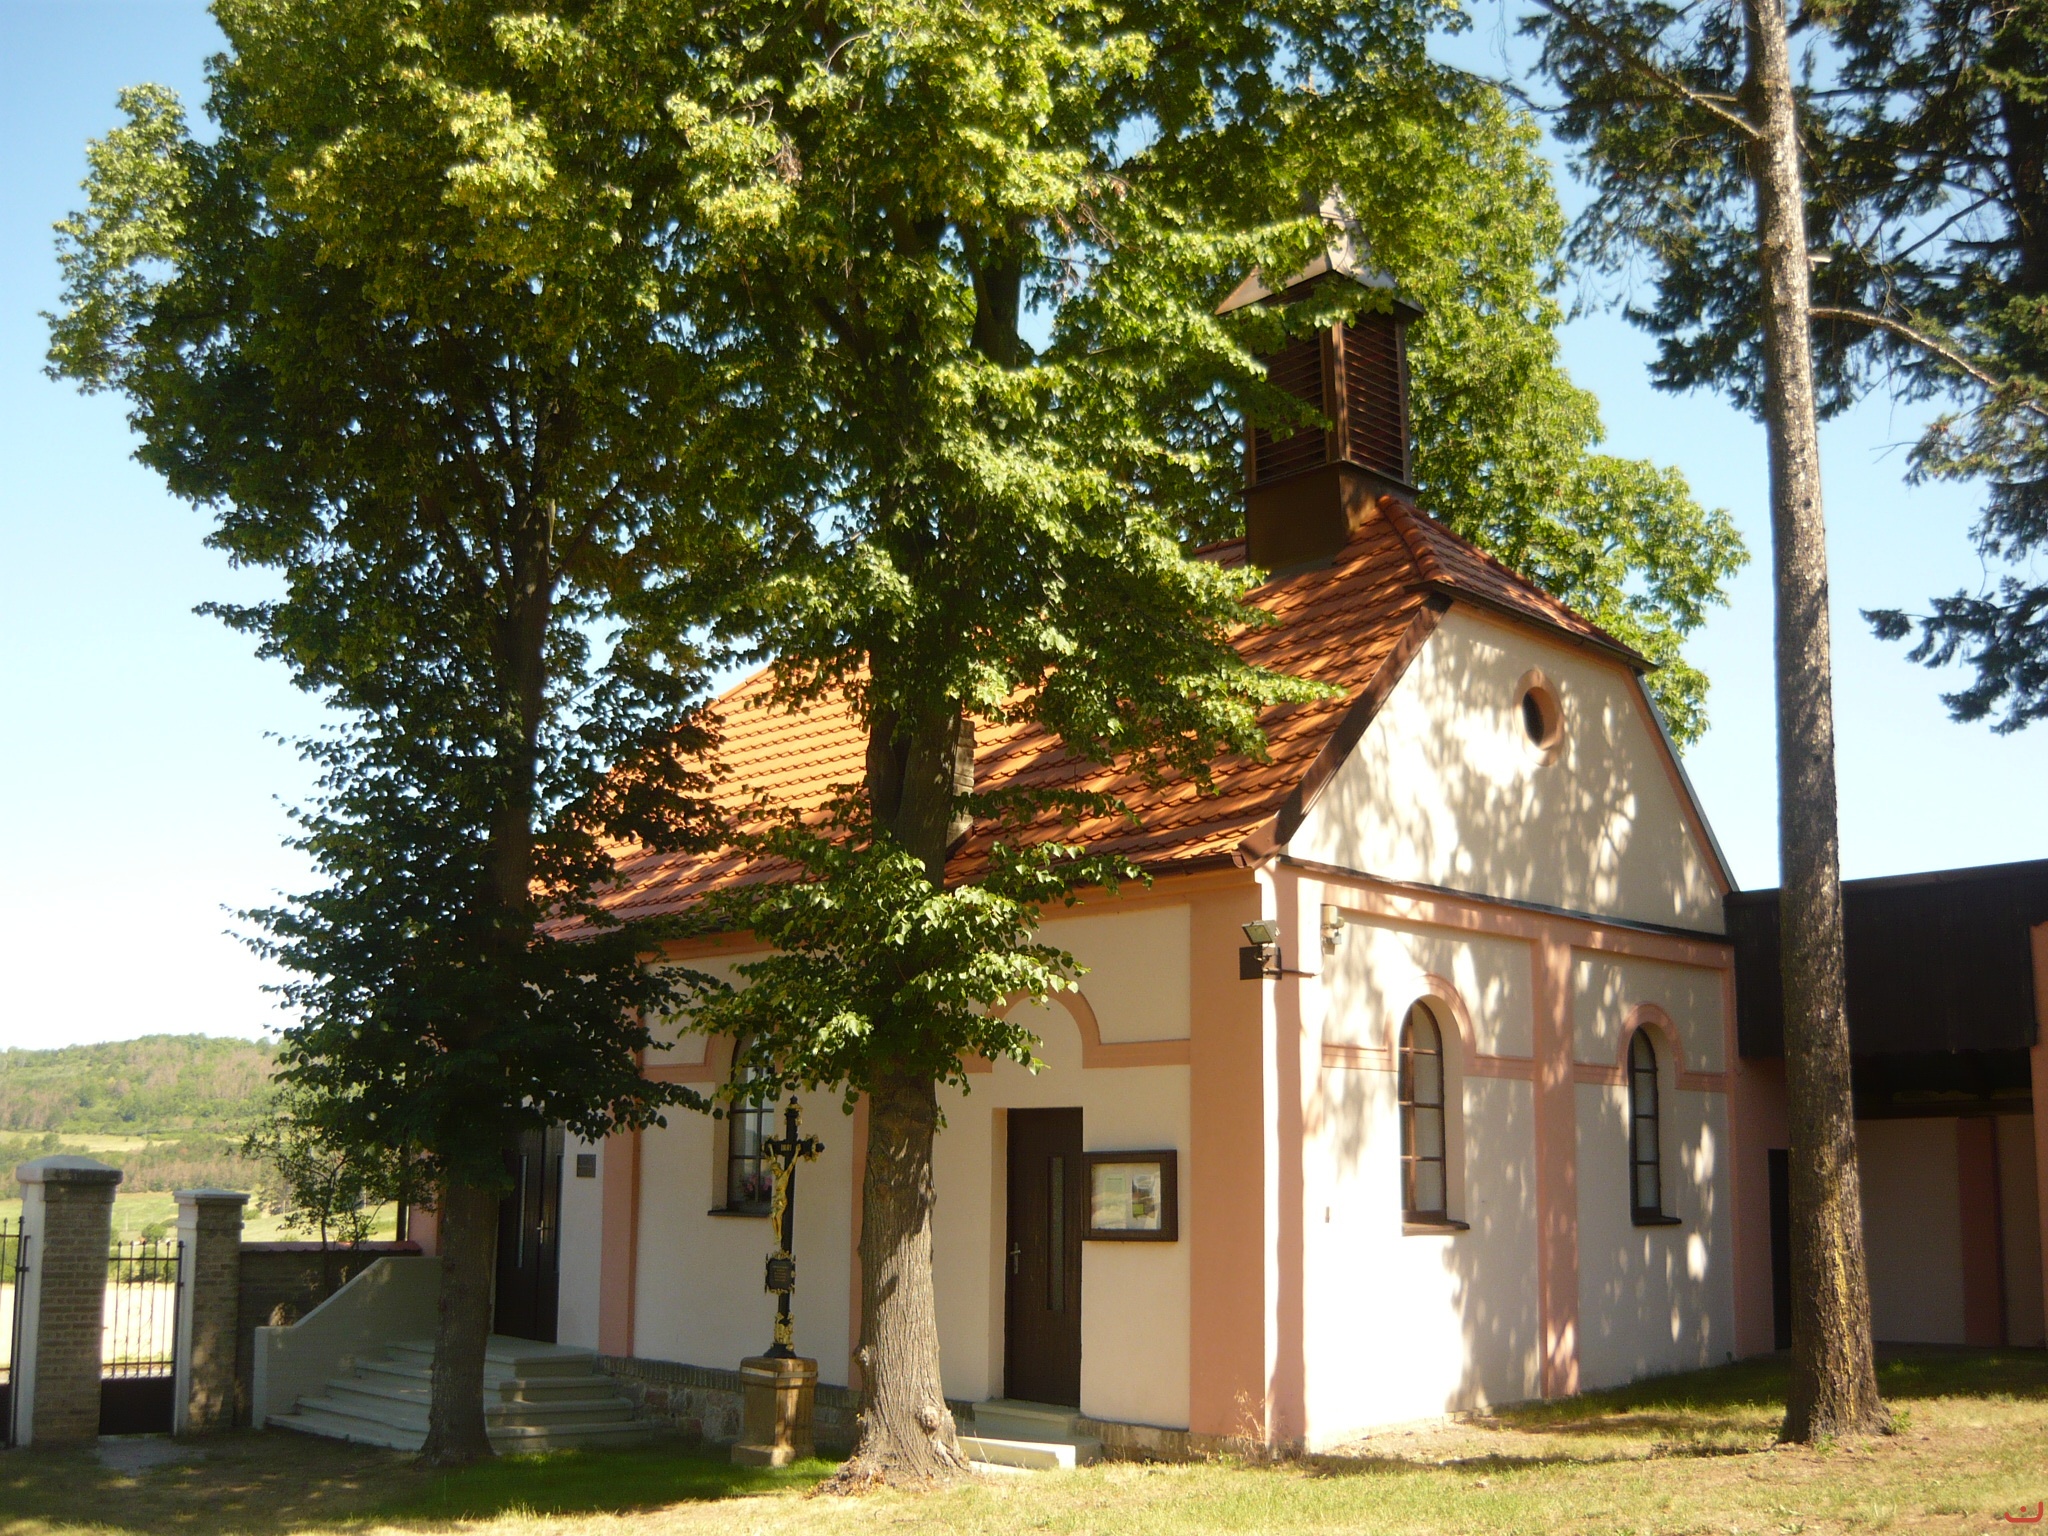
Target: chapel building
(1461, 1135)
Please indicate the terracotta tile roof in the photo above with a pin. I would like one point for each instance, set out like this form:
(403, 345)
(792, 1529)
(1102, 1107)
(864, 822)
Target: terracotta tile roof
(1340, 624)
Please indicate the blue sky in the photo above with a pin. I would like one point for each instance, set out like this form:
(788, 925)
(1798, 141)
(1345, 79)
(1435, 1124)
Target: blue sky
(146, 802)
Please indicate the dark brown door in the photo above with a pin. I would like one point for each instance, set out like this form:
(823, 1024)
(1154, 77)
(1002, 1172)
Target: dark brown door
(529, 1241)
(1042, 1314)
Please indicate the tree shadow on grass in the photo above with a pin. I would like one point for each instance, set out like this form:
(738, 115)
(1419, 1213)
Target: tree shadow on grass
(1730, 1410)
(1710, 1400)
(596, 1482)
(264, 1484)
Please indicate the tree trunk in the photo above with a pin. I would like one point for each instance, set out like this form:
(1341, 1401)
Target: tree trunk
(906, 1430)
(1834, 1373)
(469, 1245)
(914, 773)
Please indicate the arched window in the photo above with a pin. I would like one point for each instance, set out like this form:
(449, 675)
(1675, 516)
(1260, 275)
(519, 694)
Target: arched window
(1424, 1179)
(749, 1182)
(1646, 1167)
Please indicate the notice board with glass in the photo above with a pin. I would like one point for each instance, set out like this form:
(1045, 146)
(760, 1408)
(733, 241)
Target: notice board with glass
(1133, 1197)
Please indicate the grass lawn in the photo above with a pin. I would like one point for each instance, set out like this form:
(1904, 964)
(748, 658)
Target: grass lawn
(1683, 1454)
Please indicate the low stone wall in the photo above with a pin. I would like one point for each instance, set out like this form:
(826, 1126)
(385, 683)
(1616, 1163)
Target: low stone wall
(706, 1404)
(281, 1282)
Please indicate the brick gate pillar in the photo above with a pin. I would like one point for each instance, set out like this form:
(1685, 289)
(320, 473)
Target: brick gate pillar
(210, 1235)
(67, 1214)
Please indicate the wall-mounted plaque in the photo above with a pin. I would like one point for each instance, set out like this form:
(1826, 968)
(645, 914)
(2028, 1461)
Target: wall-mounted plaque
(1133, 1197)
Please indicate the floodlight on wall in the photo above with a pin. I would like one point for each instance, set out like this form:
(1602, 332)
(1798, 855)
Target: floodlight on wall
(1333, 927)
(1260, 960)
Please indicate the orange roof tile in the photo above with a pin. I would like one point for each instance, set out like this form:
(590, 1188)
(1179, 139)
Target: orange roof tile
(1352, 624)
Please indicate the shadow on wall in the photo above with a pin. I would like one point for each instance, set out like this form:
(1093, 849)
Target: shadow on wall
(1645, 1300)
(1436, 1323)
(1447, 787)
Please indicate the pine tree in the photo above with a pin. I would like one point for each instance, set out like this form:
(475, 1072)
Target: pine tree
(1690, 130)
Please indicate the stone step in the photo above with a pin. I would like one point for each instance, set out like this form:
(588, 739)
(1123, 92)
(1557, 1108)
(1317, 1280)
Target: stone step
(532, 1439)
(507, 1440)
(1020, 1436)
(407, 1377)
(505, 1357)
(537, 1397)
(1030, 1455)
(1010, 1419)
(370, 1401)
(310, 1417)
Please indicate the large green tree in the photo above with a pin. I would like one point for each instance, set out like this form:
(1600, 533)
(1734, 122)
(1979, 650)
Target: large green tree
(410, 363)
(1689, 126)
(957, 269)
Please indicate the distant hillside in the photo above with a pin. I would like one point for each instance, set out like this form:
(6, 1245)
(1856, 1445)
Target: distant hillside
(157, 1086)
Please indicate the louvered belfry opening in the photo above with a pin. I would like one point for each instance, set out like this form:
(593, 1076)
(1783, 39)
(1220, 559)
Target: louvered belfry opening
(1376, 394)
(1298, 369)
(1307, 491)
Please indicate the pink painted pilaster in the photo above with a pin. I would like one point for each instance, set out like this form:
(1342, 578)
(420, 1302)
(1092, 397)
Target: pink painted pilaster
(1226, 1176)
(1977, 1205)
(1557, 1176)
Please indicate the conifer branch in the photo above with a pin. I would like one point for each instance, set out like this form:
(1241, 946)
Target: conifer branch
(1630, 60)
(1961, 361)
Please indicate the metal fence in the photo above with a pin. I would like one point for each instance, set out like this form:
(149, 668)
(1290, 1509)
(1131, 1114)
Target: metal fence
(138, 1358)
(13, 1264)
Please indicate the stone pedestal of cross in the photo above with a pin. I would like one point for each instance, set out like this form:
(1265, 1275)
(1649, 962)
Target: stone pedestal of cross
(780, 1386)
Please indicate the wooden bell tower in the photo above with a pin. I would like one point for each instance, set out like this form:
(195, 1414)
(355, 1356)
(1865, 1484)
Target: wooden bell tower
(1306, 492)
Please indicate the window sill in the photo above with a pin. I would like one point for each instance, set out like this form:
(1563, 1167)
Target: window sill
(1655, 1219)
(723, 1210)
(1432, 1226)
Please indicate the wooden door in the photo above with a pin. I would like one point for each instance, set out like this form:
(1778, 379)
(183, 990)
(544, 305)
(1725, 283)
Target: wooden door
(529, 1238)
(1042, 1311)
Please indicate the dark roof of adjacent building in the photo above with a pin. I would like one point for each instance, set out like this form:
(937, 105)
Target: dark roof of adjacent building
(1937, 962)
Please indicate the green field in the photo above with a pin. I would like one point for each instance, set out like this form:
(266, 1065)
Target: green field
(134, 1213)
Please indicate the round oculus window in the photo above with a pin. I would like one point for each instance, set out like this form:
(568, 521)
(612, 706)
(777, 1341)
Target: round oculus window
(1542, 720)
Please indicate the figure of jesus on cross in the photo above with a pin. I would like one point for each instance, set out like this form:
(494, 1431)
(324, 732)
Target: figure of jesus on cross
(781, 1279)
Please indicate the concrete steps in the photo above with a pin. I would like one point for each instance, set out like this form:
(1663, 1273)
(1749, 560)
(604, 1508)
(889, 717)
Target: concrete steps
(1031, 1437)
(537, 1397)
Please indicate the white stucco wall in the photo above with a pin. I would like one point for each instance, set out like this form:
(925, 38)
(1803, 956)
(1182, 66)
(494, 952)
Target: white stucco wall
(1134, 1296)
(674, 1047)
(697, 1288)
(1912, 1230)
(1445, 789)
(1654, 1299)
(1378, 971)
(1137, 969)
(582, 1246)
(1407, 1327)
(1604, 991)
